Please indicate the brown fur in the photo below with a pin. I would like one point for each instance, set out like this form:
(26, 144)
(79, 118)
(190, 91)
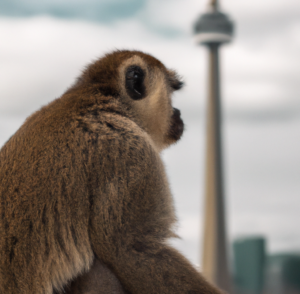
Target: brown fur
(82, 182)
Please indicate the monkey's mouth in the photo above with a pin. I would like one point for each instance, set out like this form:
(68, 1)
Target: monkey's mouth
(177, 125)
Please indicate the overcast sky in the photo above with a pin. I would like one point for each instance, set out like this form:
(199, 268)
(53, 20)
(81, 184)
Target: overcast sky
(45, 45)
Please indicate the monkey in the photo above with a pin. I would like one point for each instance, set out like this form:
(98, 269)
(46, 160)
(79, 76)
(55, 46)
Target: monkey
(83, 190)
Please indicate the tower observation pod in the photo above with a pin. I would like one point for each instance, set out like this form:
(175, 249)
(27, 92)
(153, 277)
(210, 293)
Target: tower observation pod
(213, 29)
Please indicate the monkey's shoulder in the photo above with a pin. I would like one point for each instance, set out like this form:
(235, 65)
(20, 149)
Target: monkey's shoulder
(118, 137)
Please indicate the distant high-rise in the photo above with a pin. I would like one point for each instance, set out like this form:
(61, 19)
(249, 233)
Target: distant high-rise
(212, 30)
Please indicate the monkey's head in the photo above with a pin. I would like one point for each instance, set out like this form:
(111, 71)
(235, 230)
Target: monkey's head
(145, 86)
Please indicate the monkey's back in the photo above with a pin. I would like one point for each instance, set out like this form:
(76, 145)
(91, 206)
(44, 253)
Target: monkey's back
(44, 204)
(45, 198)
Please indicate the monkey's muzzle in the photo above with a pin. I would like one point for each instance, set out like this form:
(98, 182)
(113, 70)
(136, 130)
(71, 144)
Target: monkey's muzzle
(177, 125)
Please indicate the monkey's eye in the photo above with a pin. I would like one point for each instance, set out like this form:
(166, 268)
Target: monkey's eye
(135, 82)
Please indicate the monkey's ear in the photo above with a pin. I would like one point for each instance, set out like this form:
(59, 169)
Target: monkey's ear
(134, 80)
(175, 80)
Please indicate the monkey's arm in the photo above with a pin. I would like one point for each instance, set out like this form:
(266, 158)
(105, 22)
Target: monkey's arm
(131, 219)
(98, 280)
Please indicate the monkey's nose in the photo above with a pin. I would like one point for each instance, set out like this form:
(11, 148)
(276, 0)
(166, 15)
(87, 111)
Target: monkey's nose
(176, 112)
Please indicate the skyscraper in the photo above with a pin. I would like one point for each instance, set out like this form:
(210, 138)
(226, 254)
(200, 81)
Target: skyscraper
(212, 30)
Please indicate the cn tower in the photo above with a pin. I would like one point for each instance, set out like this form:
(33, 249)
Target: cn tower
(212, 30)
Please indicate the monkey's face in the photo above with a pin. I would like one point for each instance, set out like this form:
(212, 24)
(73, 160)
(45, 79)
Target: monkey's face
(145, 85)
(148, 86)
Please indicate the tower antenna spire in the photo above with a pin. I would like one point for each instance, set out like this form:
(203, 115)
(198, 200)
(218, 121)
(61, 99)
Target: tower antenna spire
(214, 4)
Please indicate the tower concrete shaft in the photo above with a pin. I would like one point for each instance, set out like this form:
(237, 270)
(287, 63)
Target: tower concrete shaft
(214, 257)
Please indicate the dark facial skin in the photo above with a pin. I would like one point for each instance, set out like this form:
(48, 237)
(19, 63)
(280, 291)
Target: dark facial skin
(177, 126)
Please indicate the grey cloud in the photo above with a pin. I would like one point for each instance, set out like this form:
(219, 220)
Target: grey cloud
(102, 11)
(254, 22)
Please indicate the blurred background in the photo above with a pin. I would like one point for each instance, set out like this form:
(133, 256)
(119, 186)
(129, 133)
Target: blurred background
(44, 45)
